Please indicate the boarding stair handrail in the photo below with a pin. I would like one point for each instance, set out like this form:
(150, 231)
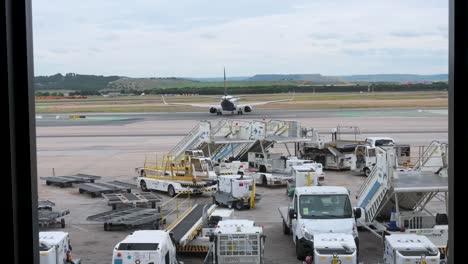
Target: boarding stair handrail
(426, 155)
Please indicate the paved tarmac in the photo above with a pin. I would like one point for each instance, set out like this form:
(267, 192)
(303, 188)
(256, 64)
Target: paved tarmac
(113, 147)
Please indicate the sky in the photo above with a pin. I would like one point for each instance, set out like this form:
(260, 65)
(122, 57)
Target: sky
(197, 38)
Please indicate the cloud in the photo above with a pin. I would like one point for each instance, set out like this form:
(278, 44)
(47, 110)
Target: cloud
(198, 38)
(208, 36)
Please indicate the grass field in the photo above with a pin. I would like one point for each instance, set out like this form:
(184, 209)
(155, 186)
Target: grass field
(301, 101)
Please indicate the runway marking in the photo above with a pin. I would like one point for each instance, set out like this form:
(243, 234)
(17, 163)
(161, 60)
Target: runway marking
(77, 227)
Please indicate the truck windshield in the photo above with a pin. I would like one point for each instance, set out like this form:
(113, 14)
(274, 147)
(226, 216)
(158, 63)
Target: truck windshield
(384, 142)
(138, 246)
(325, 206)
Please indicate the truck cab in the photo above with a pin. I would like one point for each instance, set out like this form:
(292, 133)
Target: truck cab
(366, 153)
(146, 247)
(315, 210)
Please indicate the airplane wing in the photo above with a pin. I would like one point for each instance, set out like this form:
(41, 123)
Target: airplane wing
(266, 102)
(193, 105)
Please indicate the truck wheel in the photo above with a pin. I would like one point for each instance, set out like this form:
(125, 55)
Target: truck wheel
(299, 251)
(171, 191)
(238, 205)
(264, 181)
(214, 201)
(286, 230)
(367, 172)
(143, 186)
(62, 223)
(262, 168)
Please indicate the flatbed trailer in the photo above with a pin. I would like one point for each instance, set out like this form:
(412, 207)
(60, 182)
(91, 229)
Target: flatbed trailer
(129, 218)
(98, 188)
(45, 205)
(68, 181)
(131, 199)
(50, 219)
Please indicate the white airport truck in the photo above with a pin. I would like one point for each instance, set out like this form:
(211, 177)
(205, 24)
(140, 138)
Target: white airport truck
(316, 210)
(236, 241)
(276, 169)
(55, 248)
(366, 158)
(146, 247)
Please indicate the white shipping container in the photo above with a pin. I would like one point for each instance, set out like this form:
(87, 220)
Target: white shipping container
(235, 185)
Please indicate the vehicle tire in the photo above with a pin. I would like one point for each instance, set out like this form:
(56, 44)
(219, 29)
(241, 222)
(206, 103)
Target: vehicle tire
(62, 223)
(80, 190)
(238, 205)
(262, 169)
(367, 172)
(171, 191)
(143, 186)
(286, 229)
(47, 183)
(214, 201)
(264, 181)
(299, 251)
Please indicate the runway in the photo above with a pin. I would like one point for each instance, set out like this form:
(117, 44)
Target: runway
(126, 118)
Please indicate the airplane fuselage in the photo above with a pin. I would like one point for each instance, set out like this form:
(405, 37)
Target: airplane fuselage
(227, 105)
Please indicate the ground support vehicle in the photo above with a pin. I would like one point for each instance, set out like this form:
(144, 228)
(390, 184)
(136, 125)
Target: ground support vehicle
(144, 247)
(49, 218)
(132, 199)
(395, 200)
(315, 210)
(236, 191)
(366, 158)
(409, 248)
(236, 241)
(335, 248)
(129, 218)
(96, 189)
(55, 248)
(269, 179)
(68, 181)
(303, 176)
(192, 175)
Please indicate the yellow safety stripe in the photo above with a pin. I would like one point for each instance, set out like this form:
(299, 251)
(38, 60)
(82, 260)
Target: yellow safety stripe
(192, 248)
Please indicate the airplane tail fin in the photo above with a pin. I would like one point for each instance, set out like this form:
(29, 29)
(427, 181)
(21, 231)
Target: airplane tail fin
(225, 87)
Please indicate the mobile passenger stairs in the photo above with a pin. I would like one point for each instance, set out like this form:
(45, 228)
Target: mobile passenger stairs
(234, 139)
(397, 199)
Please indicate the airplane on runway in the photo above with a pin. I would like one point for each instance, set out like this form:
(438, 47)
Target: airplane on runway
(228, 103)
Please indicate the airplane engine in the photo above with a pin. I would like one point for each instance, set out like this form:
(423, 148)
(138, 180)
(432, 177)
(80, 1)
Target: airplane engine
(213, 110)
(248, 109)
